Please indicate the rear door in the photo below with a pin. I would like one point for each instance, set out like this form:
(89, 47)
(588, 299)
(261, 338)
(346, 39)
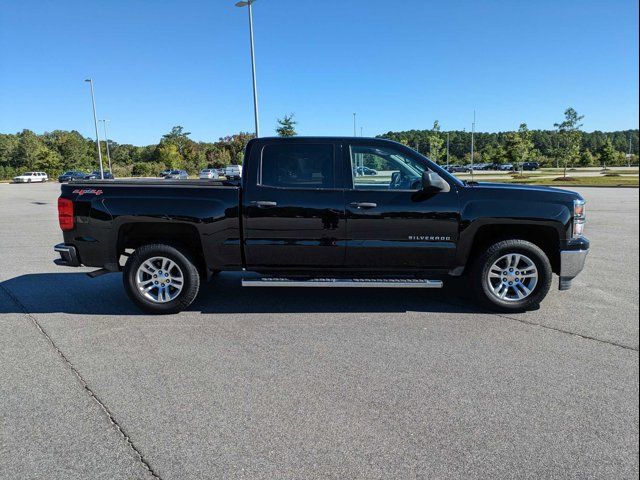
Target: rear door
(391, 223)
(294, 215)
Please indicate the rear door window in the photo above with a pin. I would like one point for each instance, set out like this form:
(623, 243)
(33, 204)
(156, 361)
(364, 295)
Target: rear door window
(298, 166)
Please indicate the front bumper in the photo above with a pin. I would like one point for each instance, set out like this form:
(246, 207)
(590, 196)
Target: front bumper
(571, 264)
(68, 255)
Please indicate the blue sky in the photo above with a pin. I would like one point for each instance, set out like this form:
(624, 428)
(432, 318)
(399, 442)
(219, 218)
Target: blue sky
(398, 64)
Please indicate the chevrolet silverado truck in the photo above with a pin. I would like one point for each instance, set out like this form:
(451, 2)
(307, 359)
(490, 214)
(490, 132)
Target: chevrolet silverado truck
(304, 215)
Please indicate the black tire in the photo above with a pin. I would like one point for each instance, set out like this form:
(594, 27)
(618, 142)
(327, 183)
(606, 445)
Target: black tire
(191, 278)
(481, 282)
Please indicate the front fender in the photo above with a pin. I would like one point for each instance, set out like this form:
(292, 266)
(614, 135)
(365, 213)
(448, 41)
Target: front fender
(517, 215)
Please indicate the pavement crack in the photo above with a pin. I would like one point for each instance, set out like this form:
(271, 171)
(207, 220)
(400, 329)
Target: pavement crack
(546, 327)
(110, 417)
(567, 332)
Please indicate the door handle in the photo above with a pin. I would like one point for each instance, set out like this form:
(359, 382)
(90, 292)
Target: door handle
(363, 205)
(264, 204)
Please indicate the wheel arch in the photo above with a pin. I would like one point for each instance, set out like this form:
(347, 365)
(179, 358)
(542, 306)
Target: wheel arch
(546, 236)
(182, 236)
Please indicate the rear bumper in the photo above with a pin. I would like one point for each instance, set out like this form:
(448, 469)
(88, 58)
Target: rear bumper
(68, 255)
(571, 264)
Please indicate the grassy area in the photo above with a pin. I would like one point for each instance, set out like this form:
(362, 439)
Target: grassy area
(622, 172)
(579, 181)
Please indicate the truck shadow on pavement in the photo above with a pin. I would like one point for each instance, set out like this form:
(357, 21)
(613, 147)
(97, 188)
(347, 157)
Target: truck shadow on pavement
(75, 293)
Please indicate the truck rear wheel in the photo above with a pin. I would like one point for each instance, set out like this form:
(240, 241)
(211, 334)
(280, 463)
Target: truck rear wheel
(161, 279)
(512, 275)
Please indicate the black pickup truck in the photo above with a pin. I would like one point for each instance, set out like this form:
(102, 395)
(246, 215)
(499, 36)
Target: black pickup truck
(307, 213)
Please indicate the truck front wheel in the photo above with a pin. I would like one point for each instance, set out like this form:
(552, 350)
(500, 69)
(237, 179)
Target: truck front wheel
(161, 279)
(512, 275)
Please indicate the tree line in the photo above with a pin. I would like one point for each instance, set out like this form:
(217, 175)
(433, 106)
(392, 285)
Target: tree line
(565, 145)
(60, 150)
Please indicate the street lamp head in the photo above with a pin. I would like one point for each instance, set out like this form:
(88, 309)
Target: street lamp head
(87, 80)
(244, 4)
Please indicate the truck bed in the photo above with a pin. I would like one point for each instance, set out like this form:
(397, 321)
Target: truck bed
(156, 182)
(111, 215)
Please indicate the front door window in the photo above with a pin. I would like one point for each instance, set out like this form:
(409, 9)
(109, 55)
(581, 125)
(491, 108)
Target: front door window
(381, 168)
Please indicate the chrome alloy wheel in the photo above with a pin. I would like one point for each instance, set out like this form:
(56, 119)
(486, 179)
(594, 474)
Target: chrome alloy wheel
(159, 279)
(513, 277)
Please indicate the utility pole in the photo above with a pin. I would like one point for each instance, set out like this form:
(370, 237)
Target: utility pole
(95, 123)
(106, 141)
(629, 157)
(447, 149)
(473, 131)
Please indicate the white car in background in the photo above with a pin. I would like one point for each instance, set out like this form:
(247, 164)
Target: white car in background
(30, 177)
(233, 172)
(208, 174)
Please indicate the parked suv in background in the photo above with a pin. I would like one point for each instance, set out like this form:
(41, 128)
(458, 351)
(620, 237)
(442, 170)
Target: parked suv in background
(29, 177)
(95, 175)
(530, 166)
(233, 172)
(365, 171)
(208, 174)
(70, 175)
(177, 175)
(457, 169)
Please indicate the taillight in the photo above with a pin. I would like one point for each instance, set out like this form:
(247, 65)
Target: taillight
(65, 214)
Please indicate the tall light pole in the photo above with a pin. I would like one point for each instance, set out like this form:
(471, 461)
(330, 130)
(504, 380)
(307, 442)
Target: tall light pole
(361, 129)
(106, 141)
(95, 122)
(473, 131)
(354, 125)
(249, 3)
(447, 149)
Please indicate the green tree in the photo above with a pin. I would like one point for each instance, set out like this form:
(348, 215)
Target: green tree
(607, 154)
(169, 155)
(587, 159)
(178, 137)
(519, 145)
(287, 126)
(236, 144)
(570, 137)
(28, 150)
(218, 156)
(495, 154)
(8, 147)
(436, 143)
(49, 161)
(76, 152)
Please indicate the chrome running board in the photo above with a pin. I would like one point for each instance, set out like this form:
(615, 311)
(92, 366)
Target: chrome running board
(340, 282)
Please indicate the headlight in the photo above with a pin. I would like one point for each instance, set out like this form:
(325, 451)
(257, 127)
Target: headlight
(579, 217)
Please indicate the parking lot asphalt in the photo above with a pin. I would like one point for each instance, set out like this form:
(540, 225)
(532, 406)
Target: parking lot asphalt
(314, 383)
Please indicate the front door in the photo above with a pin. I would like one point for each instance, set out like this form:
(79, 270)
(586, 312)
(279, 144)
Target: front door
(293, 212)
(392, 224)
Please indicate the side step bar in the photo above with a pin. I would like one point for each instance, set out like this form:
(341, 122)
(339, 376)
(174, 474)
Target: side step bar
(339, 282)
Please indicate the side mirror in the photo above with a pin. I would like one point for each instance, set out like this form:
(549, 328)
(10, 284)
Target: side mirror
(432, 181)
